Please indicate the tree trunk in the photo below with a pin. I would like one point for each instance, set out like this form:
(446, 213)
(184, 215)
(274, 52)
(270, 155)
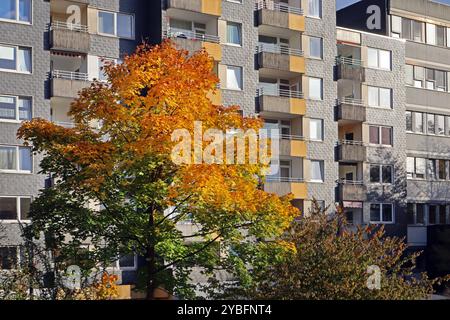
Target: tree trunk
(151, 260)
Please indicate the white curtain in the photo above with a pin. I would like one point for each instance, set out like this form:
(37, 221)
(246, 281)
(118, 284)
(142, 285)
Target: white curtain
(8, 158)
(234, 78)
(316, 171)
(24, 60)
(7, 108)
(24, 109)
(314, 8)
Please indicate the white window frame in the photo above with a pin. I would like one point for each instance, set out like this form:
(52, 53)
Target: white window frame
(321, 88)
(16, 20)
(382, 221)
(378, 62)
(241, 80)
(380, 136)
(115, 14)
(321, 47)
(321, 129)
(116, 265)
(18, 207)
(18, 160)
(380, 169)
(320, 10)
(16, 52)
(17, 120)
(322, 167)
(241, 34)
(379, 89)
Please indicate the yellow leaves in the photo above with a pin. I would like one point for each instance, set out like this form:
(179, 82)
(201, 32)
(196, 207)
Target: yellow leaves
(107, 288)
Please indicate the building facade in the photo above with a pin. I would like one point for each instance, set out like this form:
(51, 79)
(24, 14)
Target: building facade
(362, 113)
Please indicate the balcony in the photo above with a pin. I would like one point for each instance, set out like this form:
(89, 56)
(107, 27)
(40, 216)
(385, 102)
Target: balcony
(352, 191)
(417, 235)
(350, 69)
(67, 84)
(278, 101)
(279, 15)
(270, 56)
(351, 151)
(293, 146)
(210, 7)
(69, 37)
(283, 186)
(193, 42)
(350, 109)
(216, 96)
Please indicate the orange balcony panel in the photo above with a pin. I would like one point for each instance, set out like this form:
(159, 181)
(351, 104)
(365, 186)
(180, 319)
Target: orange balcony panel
(297, 106)
(213, 49)
(297, 64)
(212, 7)
(298, 148)
(296, 22)
(299, 190)
(215, 97)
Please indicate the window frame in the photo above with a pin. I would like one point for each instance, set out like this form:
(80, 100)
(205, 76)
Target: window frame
(380, 136)
(18, 209)
(240, 34)
(379, 90)
(382, 221)
(321, 129)
(320, 14)
(378, 62)
(380, 173)
(18, 171)
(241, 80)
(115, 15)
(17, 98)
(322, 168)
(321, 88)
(17, 19)
(320, 39)
(16, 57)
(116, 265)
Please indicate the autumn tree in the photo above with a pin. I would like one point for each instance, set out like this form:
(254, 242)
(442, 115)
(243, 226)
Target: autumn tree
(330, 260)
(117, 188)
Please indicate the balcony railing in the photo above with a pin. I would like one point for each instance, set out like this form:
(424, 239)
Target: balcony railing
(69, 75)
(191, 35)
(273, 48)
(351, 142)
(65, 124)
(68, 26)
(352, 101)
(291, 137)
(349, 61)
(279, 93)
(350, 182)
(281, 7)
(283, 179)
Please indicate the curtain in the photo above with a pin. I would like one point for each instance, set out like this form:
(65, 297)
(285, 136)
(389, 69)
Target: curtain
(234, 33)
(314, 8)
(8, 158)
(234, 78)
(8, 9)
(7, 57)
(24, 60)
(7, 108)
(25, 10)
(24, 109)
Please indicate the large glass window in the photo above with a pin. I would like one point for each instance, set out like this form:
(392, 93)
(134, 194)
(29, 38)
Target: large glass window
(380, 97)
(431, 127)
(15, 108)
(431, 33)
(381, 213)
(116, 24)
(381, 173)
(315, 8)
(15, 58)
(409, 123)
(16, 10)
(316, 129)
(234, 78)
(418, 122)
(380, 135)
(9, 258)
(315, 88)
(315, 47)
(234, 33)
(15, 159)
(378, 58)
(14, 208)
(317, 171)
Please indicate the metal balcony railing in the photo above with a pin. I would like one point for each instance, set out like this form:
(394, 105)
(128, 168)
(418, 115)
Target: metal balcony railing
(350, 61)
(279, 93)
(352, 101)
(276, 6)
(351, 142)
(350, 182)
(274, 48)
(68, 26)
(65, 124)
(191, 35)
(69, 75)
(283, 179)
(291, 137)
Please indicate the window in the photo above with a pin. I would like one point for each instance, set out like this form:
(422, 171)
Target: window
(431, 169)
(432, 214)
(15, 108)
(409, 123)
(282, 127)
(378, 58)
(126, 262)
(15, 208)
(381, 173)
(418, 123)
(417, 31)
(15, 159)
(315, 8)
(234, 78)
(381, 213)
(315, 88)
(316, 129)
(380, 97)
(9, 258)
(315, 47)
(234, 33)
(428, 78)
(15, 58)
(317, 173)
(419, 75)
(116, 24)
(431, 128)
(396, 26)
(431, 33)
(15, 10)
(440, 125)
(285, 169)
(442, 169)
(415, 167)
(409, 74)
(440, 36)
(102, 62)
(380, 135)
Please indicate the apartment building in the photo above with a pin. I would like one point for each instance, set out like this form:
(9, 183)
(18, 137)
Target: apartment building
(361, 112)
(424, 25)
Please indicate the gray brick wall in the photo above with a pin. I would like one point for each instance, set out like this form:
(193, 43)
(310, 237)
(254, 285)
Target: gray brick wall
(326, 29)
(34, 85)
